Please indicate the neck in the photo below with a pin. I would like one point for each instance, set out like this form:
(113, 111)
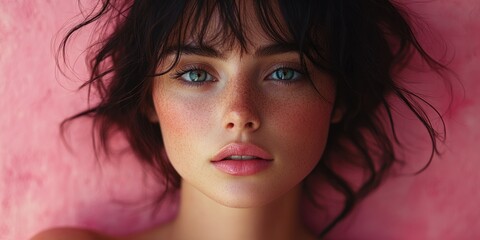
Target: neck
(200, 217)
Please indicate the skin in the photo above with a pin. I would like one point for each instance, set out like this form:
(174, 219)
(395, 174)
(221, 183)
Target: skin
(242, 101)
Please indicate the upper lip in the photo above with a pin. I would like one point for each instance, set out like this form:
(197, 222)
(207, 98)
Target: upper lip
(241, 149)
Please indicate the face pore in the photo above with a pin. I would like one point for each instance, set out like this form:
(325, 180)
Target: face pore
(259, 97)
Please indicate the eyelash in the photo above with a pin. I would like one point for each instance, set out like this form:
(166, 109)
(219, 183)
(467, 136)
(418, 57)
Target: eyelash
(180, 72)
(287, 67)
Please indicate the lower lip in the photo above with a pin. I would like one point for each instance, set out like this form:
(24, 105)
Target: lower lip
(242, 167)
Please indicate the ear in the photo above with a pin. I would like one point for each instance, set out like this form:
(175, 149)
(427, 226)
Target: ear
(337, 113)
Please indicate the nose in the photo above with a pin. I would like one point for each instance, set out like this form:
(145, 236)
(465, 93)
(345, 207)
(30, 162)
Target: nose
(241, 111)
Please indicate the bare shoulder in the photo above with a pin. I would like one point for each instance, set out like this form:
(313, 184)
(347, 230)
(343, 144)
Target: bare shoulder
(70, 234)
(156, 233)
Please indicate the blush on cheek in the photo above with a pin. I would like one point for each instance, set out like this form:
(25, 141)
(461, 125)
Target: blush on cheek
(182, 123)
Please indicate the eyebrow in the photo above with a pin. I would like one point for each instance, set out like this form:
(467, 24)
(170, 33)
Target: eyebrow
(209, 51)
(274, 49)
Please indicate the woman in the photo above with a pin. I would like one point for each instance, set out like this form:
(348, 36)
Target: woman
(241, 106)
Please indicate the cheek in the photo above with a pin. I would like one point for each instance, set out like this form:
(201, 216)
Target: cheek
(312, 123)
(180, 119)
(179, 122)
(301, 131)
(184, 125)
(304, 117)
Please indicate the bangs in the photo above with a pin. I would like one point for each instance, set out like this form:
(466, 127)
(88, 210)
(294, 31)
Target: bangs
(227, 24)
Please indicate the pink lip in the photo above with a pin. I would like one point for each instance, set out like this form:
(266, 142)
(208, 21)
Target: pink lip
(261, 161)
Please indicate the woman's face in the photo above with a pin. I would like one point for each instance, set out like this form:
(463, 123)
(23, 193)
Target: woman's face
(243, 128)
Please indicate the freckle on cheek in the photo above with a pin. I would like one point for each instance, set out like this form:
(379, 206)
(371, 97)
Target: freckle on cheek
(179, 118)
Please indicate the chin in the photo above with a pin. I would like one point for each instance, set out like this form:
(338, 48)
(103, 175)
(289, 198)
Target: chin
(245, 197)
(244, 202)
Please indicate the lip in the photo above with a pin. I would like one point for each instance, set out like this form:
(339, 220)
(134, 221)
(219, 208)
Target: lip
(241, 149)
(257, 161)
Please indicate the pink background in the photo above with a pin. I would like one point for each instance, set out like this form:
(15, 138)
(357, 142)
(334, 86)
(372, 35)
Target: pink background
(43, 184)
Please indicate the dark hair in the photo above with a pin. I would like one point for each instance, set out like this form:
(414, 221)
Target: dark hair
(362, 44)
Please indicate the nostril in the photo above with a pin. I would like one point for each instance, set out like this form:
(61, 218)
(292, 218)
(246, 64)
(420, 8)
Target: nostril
(248, 125)
(241, 121)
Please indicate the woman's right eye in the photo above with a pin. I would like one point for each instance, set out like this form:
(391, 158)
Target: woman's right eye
(196, 76)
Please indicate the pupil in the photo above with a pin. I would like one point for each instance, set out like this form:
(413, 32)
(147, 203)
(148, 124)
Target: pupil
(284, 74)
(197, 76)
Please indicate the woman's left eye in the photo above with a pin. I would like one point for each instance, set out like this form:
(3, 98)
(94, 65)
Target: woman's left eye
(286, 74)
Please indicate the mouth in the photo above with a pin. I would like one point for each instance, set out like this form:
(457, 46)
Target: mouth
(241, 151)
(240, 159)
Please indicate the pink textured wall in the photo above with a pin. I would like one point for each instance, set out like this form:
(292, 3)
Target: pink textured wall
(43, 184)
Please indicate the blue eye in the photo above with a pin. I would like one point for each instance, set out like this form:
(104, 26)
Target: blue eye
(196, 75)
(284, 74)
